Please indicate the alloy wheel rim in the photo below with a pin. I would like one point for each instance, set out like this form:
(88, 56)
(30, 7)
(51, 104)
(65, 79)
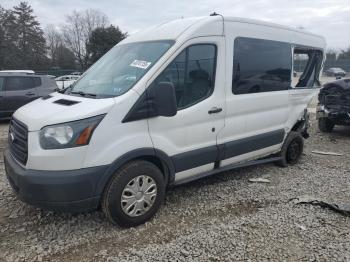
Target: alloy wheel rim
(138, 195)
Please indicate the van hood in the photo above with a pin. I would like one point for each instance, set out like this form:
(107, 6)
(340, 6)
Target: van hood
(59, 108)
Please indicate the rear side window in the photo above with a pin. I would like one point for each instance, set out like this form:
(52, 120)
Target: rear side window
(307, 65)
(192, 73)
(260, 66)
(16, 83)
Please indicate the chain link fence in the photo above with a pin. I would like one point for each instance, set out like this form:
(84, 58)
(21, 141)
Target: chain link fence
(57, 72)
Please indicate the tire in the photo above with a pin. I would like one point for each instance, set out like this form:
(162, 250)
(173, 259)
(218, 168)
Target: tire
(126, 188)
(292, 149)
(325, 125)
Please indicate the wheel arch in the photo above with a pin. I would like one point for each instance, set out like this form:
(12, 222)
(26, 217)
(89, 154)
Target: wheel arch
(302, 124)
(155, 156)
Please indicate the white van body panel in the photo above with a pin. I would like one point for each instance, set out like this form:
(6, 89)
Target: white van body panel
(58, 159)
(110, 140)
(117, 138)
(192, 128)
(40, 112)
(252, 114)
(185, 28)
(298, 101)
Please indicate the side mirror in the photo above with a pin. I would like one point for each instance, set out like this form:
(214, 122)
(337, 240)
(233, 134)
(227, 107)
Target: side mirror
(165, 99)
(158, 100)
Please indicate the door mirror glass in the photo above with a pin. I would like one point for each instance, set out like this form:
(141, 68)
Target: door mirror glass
(165, 99)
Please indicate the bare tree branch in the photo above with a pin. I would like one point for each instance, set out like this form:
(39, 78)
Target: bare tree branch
(77, 30)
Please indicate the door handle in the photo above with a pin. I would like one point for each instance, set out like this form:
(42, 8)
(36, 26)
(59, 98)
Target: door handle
(214, 110)
(30, 94)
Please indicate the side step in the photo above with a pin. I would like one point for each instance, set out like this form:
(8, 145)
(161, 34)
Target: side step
(229, 167)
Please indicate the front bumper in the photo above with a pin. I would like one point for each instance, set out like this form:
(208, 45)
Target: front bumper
(337, 116)
(321, 112)
(67, 191)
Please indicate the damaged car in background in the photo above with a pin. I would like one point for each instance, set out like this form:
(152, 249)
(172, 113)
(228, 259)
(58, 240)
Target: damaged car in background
(334, 105)
(336, 72)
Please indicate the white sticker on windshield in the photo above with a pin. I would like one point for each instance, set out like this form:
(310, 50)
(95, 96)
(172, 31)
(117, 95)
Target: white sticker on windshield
(140, 64)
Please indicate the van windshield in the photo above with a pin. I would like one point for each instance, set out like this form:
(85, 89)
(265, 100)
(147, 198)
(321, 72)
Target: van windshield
(119, 70)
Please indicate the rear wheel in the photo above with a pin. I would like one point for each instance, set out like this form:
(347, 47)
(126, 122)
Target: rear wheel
(292, 149)
(325, 125)
(134, 194)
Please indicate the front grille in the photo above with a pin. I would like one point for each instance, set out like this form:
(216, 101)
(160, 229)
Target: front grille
(18, 140)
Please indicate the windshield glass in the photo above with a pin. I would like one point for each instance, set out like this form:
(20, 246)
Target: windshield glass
(117, 71)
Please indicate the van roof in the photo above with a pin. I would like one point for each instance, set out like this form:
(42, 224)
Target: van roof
(202, 26)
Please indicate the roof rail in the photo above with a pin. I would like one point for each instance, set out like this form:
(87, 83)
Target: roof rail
(18, 71)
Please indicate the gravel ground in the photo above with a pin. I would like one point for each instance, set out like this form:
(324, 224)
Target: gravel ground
(223, 217)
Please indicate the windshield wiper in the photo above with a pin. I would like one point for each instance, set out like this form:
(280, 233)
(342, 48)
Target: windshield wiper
(82, 93)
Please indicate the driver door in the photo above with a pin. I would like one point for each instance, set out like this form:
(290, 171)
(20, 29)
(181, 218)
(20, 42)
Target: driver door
(19, 90)
(189, 137)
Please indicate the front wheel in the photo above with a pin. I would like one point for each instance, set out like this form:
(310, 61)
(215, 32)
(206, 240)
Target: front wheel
(134, 194)
(292, 149)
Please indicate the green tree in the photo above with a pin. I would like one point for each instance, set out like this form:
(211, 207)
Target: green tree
(77, 30)
(344, 54)
(9, 57)
(60, 56)
(102, 40)
(331, 55)
(30, 42)
(65, 58)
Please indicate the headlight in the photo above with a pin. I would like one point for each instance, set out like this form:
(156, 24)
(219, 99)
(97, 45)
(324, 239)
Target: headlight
(70, 134)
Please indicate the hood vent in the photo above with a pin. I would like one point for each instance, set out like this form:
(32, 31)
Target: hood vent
(66, 102)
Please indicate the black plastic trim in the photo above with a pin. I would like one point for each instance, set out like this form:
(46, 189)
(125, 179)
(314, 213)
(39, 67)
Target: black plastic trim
(195, 158)
(253, 143)
(138, 153)
(66, 190)
(143, 108)
(228, 167)
(66, 102)
(216, 153)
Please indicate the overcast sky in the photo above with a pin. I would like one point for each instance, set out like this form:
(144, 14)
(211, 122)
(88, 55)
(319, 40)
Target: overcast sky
(330, 18)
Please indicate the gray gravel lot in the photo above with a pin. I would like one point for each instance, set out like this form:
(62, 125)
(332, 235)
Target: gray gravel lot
(223, 217)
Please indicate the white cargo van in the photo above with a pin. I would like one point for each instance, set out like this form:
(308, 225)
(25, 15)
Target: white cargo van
(177, 102)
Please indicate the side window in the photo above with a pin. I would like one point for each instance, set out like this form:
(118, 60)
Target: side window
(14, 83)
(2, 81)
(260, 66)
(37, 81)
(192, 73)
(307, 64)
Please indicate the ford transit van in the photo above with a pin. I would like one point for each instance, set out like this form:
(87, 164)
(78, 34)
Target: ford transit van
(176, 102)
